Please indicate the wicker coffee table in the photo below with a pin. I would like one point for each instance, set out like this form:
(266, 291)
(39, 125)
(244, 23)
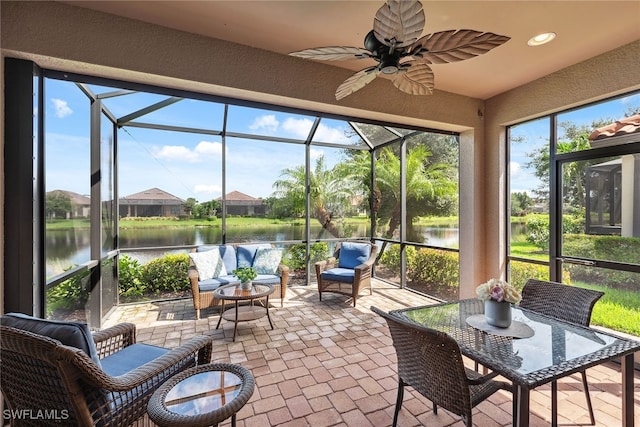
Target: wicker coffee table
(202, 396)
(244, 313)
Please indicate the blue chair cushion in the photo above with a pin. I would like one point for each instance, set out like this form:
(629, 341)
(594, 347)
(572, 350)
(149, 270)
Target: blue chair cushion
(352, 254)
(246, 254)
(72, 334)
(339, 275)
(131, 357)
(213, 284)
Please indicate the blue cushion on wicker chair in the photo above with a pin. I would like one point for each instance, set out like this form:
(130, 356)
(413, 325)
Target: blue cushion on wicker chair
(352, 254)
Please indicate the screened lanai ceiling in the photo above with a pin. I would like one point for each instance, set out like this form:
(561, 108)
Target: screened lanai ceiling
(171, 113)
(584, 29)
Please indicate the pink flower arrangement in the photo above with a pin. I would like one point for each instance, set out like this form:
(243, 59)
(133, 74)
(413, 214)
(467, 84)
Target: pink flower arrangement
(498, 290)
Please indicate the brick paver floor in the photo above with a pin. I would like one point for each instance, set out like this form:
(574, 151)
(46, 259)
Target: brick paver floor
(331, 364)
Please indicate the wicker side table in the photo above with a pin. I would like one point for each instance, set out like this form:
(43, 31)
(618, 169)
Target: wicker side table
(202, 396)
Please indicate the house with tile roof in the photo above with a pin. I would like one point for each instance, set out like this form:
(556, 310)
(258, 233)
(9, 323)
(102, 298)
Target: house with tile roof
(241, 204)
(613, 189)
(80, 205)
(151, 202)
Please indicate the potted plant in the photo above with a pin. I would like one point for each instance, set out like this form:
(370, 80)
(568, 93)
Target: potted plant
(498, 296)
(245, 275)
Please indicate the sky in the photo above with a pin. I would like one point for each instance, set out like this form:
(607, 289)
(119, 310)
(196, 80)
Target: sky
(182, 164)
(190, 164)
(535, 134)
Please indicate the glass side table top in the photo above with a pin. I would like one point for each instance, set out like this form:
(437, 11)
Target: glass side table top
(203, 392)
(203, 395)
(231, 292)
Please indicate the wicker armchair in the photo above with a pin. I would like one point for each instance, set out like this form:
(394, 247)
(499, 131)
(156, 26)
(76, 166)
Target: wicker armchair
(353, 272)
(430, 361)
(72, 387)
(564, 302)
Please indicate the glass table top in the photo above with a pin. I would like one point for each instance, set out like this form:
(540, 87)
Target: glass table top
(554, 348)
(203, 392)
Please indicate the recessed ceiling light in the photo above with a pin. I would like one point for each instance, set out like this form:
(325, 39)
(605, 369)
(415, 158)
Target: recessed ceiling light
(541, 39)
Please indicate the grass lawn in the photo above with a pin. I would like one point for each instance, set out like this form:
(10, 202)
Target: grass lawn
(617, 309)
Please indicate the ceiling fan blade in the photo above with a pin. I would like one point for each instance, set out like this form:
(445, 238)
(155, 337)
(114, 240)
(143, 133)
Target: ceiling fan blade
(401, 20)
(417, 80)
(455, 45)
(333, 53)
(356, 82)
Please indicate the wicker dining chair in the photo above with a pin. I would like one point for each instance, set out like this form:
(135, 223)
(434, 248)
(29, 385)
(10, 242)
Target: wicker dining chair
(430, 361)
(100, 379)
(564, 302)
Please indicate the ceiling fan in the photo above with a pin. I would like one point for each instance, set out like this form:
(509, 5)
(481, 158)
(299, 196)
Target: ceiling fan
(395, 45)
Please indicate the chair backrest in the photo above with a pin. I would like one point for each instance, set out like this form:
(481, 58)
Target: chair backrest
(352, 253)
(37, 374)
(564, 302)
(430, 361)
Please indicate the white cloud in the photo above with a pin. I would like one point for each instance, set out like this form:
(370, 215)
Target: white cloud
(298, 127)
(209, 148)
(203, 151)
(316, 154)
(327, 134)
(61, 108)
(268, 123)
(514, 168)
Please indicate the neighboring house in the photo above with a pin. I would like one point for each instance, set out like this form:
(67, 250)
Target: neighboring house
(152, 202)
(241, 204)
(80, 205)
(613, 187)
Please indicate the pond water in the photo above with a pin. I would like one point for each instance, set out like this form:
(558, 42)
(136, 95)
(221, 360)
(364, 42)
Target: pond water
(65, 248)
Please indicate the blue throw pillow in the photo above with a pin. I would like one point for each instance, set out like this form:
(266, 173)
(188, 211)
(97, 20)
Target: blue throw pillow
(352, 254)
(267, 260)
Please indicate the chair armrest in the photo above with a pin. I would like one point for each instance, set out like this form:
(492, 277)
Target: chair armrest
(196, 351)
(326, 264)
(284, 274)
(113, 339)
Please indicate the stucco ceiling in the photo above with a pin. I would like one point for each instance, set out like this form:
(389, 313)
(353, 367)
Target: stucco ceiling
(584, 29)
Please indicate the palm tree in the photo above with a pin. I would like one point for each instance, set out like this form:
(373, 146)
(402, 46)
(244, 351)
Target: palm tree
(329, 193)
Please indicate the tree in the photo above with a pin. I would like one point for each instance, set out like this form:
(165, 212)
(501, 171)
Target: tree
(329, 193)
(189, 205)
(521, 203)
(207, 209)
(57, 203)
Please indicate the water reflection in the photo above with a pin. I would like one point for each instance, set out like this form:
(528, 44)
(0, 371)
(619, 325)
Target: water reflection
(65, 248)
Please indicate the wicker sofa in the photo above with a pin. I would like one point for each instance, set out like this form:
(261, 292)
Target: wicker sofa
(233, 256)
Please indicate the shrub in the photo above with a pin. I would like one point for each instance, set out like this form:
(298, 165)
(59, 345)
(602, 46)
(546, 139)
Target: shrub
(390, 258)
(130, 282)
(72, 294)
(167, 274)
(295, 257)
(435, 268)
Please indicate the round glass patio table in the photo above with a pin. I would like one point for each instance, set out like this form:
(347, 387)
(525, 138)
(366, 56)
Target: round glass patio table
(202, 396)
(244, 313)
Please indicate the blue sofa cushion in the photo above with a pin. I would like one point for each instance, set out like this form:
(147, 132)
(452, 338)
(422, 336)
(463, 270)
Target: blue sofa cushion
(339, 275)
(131, 357)
(267, 279)
(352, 254)
(246, 254)
(213, 284)
(72, 334)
